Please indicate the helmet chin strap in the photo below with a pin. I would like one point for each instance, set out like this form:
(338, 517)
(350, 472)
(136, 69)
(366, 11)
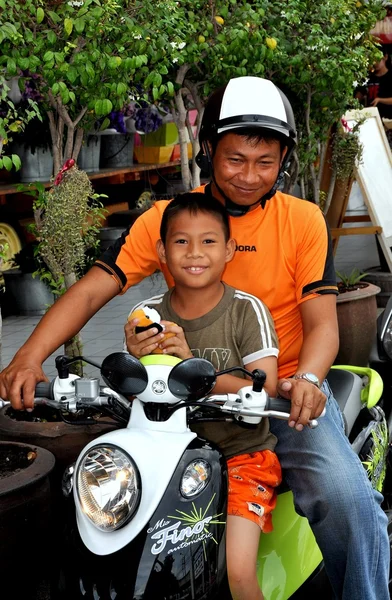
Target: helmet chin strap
(234, 209)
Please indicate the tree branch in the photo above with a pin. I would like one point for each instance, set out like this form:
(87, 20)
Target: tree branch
(316, 191)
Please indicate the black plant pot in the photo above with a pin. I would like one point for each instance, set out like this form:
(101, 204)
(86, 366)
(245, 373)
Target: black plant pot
(26, 295)
(25, 519)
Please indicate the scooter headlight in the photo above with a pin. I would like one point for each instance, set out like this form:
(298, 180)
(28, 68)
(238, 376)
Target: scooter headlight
(195, 478)
(387, 339)
(108, 487)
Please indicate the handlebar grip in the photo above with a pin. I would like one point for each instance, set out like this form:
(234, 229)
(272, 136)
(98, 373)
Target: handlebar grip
(44, 389)
(279, 404)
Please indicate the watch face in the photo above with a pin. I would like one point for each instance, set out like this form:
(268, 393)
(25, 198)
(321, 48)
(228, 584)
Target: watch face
(312, 378)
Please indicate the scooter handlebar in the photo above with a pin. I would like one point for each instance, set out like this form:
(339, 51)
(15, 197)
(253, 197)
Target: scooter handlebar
(44, 389)
(279, 404)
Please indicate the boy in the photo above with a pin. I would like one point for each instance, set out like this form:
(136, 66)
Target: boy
(229, 328)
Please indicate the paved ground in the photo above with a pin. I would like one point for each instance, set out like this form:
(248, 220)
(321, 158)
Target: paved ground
(102, 335)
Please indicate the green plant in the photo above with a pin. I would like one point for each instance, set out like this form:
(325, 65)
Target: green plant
(347, 151)
(67, 218)
(85, 56)
(349, 280)
(13, 121)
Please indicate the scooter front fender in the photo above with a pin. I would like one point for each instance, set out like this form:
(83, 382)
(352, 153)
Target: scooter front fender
(179, 554)
(156, 455)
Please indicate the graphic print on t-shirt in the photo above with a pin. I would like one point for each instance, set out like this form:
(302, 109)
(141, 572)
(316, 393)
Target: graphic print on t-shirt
(219, 357)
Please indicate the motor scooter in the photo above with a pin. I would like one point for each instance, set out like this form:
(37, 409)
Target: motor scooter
(150, 499)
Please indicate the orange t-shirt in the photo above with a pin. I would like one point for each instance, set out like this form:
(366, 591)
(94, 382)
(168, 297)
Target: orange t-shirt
(283, 256)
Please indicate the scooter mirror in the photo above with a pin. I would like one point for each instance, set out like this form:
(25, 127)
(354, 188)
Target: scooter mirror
(124, 374)
(192, 379)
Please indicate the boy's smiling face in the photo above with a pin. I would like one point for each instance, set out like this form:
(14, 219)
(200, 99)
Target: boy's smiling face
(195, 249)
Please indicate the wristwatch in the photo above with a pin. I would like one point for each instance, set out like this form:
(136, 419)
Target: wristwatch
(311, 377)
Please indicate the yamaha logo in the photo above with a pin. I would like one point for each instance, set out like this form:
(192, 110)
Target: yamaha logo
(158, 387)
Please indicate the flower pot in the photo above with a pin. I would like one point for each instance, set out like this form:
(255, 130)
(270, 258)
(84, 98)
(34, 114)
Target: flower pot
(108, 235)
(357, 319)
(63, 440)
(117, 150)
(384, 281)
(89, 155)
(27, 296)
(25, 518)
(35, 167)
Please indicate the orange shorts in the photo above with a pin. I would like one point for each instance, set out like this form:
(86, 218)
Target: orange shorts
(253, 479)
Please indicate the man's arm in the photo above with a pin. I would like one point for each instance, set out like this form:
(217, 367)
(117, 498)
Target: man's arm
(319, 349)
(64, 319)
(379, 100)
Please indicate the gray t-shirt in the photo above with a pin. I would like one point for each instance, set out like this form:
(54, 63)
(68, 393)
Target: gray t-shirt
(238, 331)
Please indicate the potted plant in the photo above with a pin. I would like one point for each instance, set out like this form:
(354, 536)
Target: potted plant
(85, 57)
(67, 219)
(33, 143)
(25, 293)
(357, 318)
(25, 513)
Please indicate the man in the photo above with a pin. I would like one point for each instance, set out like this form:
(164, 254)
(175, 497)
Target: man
(283, 257)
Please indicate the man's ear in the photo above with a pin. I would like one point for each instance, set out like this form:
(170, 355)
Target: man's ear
(161, 251)
(283, 155)
(230, 249)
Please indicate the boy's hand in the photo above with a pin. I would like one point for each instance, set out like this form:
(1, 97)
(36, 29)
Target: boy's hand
(141, 344)
(177, 344)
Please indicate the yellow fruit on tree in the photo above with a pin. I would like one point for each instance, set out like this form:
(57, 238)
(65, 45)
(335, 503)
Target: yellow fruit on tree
(219, 20)
(358, 4)
(271, 43)
(332, 19)
(202, 39)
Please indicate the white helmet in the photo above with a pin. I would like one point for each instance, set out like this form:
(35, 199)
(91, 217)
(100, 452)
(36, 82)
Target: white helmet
(247, 105)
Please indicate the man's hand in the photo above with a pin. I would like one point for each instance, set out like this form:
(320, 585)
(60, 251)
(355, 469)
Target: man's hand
(177, 344)
(144, 343)
(375, 101)
(18, 381)
(307, 401)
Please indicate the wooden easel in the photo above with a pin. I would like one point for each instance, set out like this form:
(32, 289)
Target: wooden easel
(336, 216)
(374, 176)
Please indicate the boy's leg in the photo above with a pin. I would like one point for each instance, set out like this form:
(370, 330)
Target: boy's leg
(332, 490)
(253, 479)
(242, 542)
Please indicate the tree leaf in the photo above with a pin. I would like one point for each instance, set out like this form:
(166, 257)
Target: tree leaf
(48, 56)
(105, 124)
(64, 96)
(16, 161)
(72, 74)
(98, 108)
(106, 106)
(54, 16)
(55, 89)
(90, 70)
(23, 63)
(40, 15)
(121, 88)
(68, 26)
(7, 162)
(51, 37)
(11, 67)
(79, 25)
(170, 88)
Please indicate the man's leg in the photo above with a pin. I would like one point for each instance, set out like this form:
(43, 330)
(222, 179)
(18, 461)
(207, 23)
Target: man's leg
(331, 489)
